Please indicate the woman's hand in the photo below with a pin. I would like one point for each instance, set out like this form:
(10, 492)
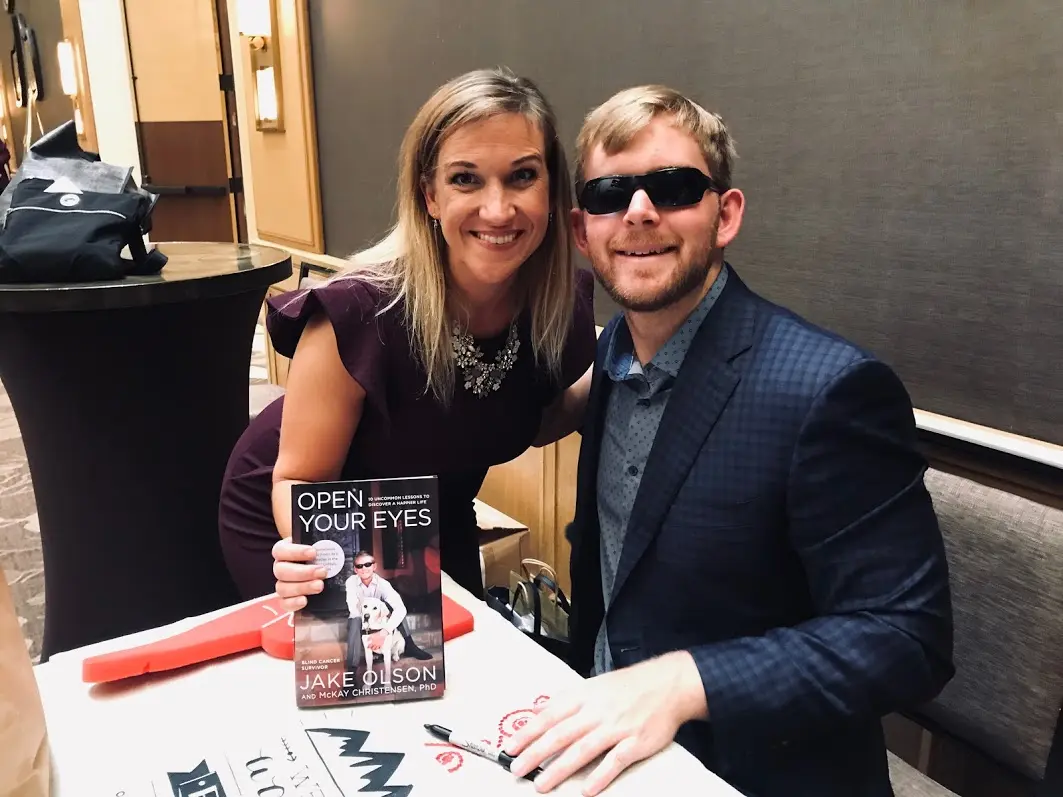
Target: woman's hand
(297, 575)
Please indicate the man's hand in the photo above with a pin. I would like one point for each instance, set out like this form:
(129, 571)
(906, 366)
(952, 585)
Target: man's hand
(628, 714)
(376, 639)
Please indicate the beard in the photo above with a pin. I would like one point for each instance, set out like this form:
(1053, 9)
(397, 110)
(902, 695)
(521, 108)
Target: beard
(686, 278)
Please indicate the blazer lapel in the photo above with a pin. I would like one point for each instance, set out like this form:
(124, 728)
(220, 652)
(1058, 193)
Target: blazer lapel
(586, 512)
(705, 383)
(584, 533)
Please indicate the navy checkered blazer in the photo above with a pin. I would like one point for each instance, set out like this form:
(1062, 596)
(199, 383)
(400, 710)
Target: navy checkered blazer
(783, 535)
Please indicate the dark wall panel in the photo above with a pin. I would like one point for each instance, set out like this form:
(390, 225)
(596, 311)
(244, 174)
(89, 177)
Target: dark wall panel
(903, 162)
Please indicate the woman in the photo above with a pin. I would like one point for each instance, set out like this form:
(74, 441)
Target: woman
(449, 347)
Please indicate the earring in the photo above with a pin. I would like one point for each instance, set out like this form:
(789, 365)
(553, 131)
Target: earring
(435, 224)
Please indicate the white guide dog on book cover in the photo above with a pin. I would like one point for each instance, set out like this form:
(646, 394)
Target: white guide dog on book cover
(375, 618)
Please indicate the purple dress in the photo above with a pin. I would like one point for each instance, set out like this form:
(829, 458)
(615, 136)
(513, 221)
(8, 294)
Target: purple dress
(403, 431)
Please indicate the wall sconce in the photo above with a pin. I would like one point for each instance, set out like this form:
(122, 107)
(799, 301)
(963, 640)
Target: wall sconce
(68, 76)
(257, 22)
(68, 80)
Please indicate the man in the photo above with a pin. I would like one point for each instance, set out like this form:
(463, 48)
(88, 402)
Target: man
(365, 583)
(757, 569)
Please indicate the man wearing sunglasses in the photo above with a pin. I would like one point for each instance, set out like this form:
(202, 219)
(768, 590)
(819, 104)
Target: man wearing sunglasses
(757, 569)
(366, 583)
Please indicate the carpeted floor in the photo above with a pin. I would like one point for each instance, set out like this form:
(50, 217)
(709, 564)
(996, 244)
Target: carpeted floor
(20, 541)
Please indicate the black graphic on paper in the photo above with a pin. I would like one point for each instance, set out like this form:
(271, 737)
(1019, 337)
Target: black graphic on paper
(288, 752)
(200, 782)
(371, 770)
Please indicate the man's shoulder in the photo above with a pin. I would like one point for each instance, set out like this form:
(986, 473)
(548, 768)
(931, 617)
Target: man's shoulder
(796, 351)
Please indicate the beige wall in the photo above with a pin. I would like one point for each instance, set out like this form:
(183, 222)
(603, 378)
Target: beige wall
(110, 76)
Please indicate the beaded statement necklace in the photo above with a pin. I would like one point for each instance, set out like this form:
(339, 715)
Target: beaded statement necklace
(483, 378)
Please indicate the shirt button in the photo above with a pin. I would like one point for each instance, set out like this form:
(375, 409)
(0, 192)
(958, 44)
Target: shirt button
(632, 470)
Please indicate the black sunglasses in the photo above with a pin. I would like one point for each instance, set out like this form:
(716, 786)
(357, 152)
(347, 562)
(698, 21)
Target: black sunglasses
(676, 187)
(364, 565)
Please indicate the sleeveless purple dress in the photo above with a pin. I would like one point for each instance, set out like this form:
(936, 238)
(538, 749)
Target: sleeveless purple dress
(403, 431)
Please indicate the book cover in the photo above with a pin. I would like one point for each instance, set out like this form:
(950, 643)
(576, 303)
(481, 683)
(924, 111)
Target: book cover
(375, 633)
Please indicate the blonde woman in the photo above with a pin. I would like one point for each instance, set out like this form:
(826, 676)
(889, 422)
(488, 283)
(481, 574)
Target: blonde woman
(461, 339)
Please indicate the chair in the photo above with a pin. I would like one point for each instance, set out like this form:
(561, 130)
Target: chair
(313, 273)
(261, 395)
(1005, 556)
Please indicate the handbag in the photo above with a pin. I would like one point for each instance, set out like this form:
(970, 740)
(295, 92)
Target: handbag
(66, 216)
(536, 605)
(60, 236)
(57, 155)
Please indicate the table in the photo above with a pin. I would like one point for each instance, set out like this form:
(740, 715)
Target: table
(108, 739)
(130, 395)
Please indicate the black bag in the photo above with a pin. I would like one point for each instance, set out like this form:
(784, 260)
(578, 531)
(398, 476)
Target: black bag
(54, 236)
(57, 155)
(525, 606)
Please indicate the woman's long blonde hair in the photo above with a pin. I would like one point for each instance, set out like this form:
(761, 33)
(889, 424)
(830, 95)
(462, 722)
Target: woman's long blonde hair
(410, 262)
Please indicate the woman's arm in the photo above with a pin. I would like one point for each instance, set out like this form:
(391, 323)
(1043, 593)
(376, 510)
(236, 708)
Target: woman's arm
(322, 408)
(565, 415)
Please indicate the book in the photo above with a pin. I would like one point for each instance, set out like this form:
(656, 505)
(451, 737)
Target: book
(375, 632)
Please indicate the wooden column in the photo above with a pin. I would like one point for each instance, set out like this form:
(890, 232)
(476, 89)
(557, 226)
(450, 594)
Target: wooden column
(538, 488)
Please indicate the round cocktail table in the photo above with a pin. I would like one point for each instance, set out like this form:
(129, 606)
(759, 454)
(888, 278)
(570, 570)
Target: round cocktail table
(129, 396)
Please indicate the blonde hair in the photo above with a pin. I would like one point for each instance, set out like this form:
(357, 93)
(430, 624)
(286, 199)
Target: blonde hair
(615, 122)
(410, 261)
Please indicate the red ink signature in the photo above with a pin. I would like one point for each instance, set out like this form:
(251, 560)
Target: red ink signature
(451, 759)
(510, 723)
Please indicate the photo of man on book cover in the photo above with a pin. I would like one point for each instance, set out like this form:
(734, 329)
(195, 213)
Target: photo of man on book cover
(375, 633)
(377, 615)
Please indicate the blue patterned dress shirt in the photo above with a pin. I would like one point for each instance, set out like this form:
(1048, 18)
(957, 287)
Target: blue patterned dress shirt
(633, 413)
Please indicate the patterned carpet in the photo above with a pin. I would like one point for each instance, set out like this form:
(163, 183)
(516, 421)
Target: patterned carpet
(20, 541)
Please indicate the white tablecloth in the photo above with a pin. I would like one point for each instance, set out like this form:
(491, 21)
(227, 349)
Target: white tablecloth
(237, 720)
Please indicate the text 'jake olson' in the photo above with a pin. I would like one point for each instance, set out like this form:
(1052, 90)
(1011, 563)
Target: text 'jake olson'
(371, 678)
(344, 510)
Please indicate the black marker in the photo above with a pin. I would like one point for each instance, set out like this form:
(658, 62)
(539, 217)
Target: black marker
(480, 749)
